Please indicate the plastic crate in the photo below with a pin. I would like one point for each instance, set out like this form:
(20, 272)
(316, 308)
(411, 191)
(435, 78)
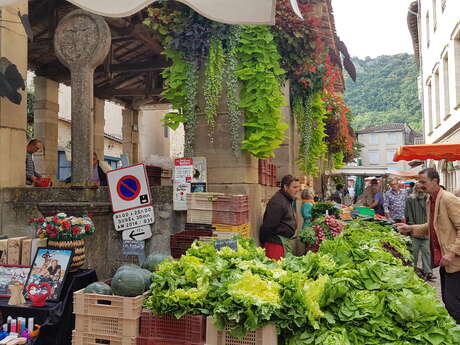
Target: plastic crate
(80, 338)
(108, 306)
(158, 341)
(112, 326)
(261, 336)
(176, 253)
(189, 328)
(230, 218)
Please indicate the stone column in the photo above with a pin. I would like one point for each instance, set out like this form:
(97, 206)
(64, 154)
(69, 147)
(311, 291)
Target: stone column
(99, 123)
(46, 109)
(13, 119)
(127, 132)
(82, 41)
(135, 137)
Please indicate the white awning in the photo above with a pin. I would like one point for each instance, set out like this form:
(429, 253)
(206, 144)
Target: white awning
(372, 171)
(224, 11)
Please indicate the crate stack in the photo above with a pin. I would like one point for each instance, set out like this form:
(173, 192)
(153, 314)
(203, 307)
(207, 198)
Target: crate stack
(267, 172)
(102, 319)
(231, 214)
(167, 330)
(183, 240)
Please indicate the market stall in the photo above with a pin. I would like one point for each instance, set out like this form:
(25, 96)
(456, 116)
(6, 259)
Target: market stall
(449, 152)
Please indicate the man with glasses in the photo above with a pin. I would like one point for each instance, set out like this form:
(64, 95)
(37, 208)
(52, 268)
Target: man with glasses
(31, 174)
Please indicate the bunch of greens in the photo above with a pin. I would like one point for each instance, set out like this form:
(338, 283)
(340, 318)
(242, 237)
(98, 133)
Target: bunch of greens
(320, 208)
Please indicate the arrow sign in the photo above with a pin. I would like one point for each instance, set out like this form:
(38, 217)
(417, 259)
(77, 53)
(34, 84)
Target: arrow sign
(137, 234)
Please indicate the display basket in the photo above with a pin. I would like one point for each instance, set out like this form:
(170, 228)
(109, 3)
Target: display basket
(262, 336)
(189, 328)
(93, 304)
(79, 338)
(111, 326)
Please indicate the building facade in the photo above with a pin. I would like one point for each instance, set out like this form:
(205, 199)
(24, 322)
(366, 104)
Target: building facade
(381, 142)
(435, 29)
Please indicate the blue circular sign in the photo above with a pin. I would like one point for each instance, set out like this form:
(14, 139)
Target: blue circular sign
(128, 188)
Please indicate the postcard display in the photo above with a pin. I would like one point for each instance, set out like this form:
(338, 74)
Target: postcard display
(36, 291)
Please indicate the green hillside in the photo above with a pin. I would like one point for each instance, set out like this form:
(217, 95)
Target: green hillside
(385, 91)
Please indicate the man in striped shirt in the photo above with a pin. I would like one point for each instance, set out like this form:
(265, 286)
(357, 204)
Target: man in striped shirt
(31, 175)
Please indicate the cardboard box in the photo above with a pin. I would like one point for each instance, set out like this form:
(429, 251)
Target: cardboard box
(36, 243)
(26, 251)
(14, 250)
(3, 252)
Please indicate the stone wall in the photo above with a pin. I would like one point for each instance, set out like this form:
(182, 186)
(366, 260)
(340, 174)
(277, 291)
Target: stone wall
(104, 247)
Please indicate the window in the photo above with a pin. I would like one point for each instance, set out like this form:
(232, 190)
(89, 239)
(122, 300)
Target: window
(445, 83)
(64, 167)
(390, 155)
(373, 139)
(435, 19)
(427, 29)
(113, 162)
(373, 157)
(392, 138)
(436, 100)
(429, 112)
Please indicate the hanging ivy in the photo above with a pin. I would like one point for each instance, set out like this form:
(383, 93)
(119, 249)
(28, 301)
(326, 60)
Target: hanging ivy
(213, 81)
(310, 116)
(190, 107)
(235, 118)
(260, 95)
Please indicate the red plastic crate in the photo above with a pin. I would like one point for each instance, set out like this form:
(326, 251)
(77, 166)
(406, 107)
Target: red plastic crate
(189, 328)
(157, 341)
(230, 218)
(176, 253)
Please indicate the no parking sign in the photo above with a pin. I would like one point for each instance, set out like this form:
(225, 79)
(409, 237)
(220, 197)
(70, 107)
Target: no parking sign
(129, 188)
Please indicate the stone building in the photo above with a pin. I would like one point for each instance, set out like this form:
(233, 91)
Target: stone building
(435, 31)
(381, 142)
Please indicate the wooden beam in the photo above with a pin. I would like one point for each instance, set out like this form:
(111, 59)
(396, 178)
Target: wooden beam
(108, 93)
(153, 65)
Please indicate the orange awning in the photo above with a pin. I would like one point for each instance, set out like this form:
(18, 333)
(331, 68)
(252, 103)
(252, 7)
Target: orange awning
(449, 152)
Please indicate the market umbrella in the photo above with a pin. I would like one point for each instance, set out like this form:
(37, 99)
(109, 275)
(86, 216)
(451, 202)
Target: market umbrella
(449, 152)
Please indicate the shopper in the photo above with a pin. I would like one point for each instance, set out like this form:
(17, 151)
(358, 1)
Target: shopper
(395, 202)
(307, 206)
(33, 146)
(99, 177)
(338, 194)
(377, 196)
(443, 231)
(279, 222)
(416, 214)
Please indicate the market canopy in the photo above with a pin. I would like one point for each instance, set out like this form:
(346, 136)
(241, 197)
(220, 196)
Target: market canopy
(369, 171)
(449, 152)
(225, 11)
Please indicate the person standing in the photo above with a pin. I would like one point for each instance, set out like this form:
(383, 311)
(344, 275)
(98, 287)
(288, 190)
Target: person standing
(416, 214)
(307, 206)
(377, 203)
(279, 221)
(99, 175)
(443, 231)
(394, 203)
(338, 194)
(33, 146)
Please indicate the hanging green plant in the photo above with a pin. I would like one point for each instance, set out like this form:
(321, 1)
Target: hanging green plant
(213, 81)
(235, 118)
(260, 95)
(190, 106)
(310, 112)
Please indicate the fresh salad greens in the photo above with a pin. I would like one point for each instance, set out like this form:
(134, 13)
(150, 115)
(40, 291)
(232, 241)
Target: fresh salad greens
(358, 289)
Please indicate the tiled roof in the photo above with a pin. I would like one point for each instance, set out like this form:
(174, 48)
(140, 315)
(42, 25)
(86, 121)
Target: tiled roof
(397, 127)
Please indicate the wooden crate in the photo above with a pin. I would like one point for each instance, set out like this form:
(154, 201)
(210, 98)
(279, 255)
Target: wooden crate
(261, 336)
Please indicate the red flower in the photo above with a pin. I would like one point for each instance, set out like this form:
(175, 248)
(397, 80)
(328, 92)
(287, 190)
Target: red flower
(75, 230)
(55, 219)
(53, 234)
(66, 225)
(49, 227)
(41, 219)
(87, 227)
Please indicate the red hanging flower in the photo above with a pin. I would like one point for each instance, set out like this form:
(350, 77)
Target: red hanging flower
(66, 225)
(75, 230)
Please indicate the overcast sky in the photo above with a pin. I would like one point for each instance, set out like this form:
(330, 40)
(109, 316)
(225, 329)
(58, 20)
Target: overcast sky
(373, 27)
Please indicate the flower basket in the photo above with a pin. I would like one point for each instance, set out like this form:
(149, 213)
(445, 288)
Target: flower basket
(65, 232)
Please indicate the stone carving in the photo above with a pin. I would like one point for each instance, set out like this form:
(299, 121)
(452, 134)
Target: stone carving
(82, 39)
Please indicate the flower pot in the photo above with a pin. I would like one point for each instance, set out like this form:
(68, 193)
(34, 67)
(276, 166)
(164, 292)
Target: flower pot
(78, 247)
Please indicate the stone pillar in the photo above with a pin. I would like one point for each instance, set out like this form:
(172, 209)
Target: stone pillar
(135, 137)
(127, 132)
(82, 41)
(99, 124)
(46, 109)
(13, 118)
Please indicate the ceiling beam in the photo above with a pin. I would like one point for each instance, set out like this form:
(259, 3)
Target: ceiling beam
(108, 93)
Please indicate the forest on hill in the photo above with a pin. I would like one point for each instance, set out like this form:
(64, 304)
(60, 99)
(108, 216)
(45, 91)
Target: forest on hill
(385, 91)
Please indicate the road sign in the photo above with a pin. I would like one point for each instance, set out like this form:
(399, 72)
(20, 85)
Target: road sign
(137, 234)
(133, 218)
(133, 247)
(129, 188)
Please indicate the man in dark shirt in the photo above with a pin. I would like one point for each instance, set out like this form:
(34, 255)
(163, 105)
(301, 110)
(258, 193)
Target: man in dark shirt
(279, 223)
(31, 175)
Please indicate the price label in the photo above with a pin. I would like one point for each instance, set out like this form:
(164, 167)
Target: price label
(219, 244)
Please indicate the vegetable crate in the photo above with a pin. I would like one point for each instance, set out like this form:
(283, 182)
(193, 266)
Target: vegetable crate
(156, 341)
(93, 304)
(261, 336)
(230, 218)
(231, 203)
(80, 338)
(180, 242)
(101, 325)
(190, 329)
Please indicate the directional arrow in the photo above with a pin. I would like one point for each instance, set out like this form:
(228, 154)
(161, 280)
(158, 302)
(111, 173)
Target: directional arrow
(137, 234)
